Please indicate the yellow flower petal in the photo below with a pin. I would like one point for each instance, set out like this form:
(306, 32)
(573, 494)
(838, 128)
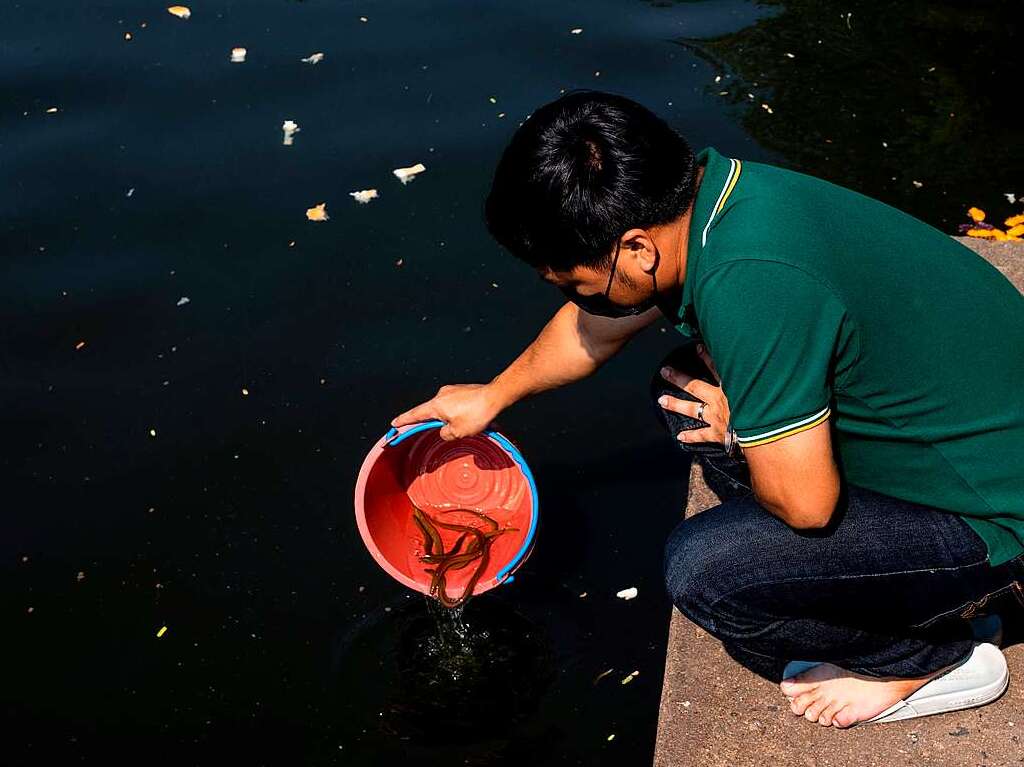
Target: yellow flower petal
(1015, 231)
(1014, 220)
(977, 214)
(317, 212)
(181, 11)
(981, 232)
(999, 234)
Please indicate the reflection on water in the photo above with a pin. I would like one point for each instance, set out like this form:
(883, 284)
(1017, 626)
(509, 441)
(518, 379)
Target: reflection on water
(906, 102)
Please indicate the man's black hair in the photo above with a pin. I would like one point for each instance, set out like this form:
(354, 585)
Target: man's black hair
(582, 170)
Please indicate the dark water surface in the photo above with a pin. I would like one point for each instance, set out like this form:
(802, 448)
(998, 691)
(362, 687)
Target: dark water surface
(144, 489)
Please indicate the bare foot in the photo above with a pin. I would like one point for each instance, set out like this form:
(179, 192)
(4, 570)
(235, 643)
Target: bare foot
(830, 695)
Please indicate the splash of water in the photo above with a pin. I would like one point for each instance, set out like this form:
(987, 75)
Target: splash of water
(455, 645)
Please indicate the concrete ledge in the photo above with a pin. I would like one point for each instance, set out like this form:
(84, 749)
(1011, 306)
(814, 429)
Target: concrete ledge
(716, 713)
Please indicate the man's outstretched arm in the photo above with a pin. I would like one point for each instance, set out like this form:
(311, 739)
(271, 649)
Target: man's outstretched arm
(571, 346)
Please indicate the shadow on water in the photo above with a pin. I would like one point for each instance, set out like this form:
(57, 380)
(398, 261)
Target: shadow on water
(906, 102)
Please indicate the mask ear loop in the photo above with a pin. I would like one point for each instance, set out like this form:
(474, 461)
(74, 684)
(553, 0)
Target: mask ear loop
(611, 276)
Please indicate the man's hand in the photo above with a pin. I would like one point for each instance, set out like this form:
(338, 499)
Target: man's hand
(466, 409)
(716, 411)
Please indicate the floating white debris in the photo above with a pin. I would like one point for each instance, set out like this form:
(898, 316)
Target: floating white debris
(611, 737)
(314, 58)
(790, 55)
(576, 31)
(130, 192)
(767, 108)
(181, 11)
(152, 432)
(406, 174)
(1010, 196)
(918, 184)
(629, 593)
(363, 19)
(238, 55)
(317, 212)
(51, 110)
(183, 300)
(630, 677)
(290, 128)
(364, 195)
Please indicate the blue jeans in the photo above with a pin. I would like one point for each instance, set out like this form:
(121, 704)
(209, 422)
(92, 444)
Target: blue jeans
(884, 590)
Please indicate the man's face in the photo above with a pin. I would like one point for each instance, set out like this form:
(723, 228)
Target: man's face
(611, 291)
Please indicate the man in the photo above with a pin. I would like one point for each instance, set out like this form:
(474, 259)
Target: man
(870, 372)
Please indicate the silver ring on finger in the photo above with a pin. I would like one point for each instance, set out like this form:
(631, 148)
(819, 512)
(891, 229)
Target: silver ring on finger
(700, 411)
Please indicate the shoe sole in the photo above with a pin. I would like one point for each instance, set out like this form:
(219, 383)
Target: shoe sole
(942, 703)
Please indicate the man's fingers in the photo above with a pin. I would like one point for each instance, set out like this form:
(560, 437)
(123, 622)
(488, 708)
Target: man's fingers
(423, 412)
(676, 377)
(677, 405)
(697, 435)
(702, 390)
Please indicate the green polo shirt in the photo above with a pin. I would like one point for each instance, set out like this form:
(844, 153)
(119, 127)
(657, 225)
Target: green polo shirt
(819, 303)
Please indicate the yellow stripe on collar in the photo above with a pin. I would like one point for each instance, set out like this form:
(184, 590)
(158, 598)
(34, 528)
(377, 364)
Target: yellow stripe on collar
(735, 167)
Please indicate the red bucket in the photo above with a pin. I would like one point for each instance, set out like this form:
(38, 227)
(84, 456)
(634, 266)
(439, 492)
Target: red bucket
(484, 473)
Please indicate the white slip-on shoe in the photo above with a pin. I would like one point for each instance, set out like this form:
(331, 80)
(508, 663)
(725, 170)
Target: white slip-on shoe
(978, 680)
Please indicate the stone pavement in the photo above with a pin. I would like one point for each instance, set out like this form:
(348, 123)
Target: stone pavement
(716, 713)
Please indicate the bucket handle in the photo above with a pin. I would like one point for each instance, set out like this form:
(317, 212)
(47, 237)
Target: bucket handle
(393, 436)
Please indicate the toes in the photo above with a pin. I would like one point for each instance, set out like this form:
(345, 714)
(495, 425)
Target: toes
(813, 711)
(825, 717)
(796, 685)
(801, 702)
(844, 718)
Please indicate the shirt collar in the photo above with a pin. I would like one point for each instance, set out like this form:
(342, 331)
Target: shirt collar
(720, 175)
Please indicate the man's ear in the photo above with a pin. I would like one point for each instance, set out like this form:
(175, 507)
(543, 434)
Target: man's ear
(647, 253)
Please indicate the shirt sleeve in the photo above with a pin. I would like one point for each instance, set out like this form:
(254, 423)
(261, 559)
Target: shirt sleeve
(773, 331)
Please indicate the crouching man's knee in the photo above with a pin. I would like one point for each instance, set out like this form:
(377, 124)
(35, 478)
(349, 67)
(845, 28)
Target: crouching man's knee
(708, 573)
